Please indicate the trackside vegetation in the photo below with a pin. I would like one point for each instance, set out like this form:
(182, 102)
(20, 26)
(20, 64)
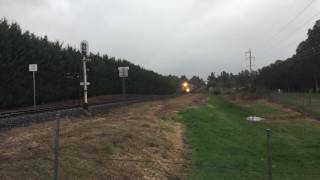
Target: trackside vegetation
(60, 71)
(226, 146)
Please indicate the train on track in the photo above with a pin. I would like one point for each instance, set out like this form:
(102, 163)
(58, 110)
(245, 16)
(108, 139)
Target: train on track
(187, 87)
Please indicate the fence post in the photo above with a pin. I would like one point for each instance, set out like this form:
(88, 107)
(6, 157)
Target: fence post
(124, 87)
(269, 152)
(310, 101)
(56, 147)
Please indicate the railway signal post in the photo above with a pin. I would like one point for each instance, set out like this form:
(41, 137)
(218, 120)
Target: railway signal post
(34, 68)
(123, 73)
(84, 51)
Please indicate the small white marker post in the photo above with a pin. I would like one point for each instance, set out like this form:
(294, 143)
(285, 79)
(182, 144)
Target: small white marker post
(34, 68)
(123, 73)
(84, 51)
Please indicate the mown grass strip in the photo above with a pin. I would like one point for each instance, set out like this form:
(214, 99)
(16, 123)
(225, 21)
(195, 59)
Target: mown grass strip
(226, 146)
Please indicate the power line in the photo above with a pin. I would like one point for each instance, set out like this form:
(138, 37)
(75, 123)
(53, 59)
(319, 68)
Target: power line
(293, 19)
(290, 22)
(302, 26)
(295, 31)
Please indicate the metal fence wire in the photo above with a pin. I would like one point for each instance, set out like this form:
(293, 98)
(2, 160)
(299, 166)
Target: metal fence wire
(52, 164)
(308, 103)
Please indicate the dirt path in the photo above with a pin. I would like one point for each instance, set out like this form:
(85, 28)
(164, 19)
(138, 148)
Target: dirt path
(141, 141)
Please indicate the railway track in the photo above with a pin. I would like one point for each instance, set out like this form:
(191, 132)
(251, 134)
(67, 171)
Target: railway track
(25, 117)
(32, 111)
(14, 113)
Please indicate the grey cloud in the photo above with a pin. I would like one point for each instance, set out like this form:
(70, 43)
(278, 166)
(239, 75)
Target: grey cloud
(192, 37)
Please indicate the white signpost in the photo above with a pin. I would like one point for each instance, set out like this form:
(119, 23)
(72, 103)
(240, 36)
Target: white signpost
(82, 84)
(34, 68)
(123, 73)
(84, 51)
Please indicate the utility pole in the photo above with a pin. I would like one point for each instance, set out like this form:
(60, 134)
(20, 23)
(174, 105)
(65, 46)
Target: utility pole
(85, 84)
(250, 66)
(250, 60)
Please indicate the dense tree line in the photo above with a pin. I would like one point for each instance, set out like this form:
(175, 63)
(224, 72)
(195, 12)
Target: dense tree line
(60, 71)
(301, 72)
(197, 82)
(230, 80)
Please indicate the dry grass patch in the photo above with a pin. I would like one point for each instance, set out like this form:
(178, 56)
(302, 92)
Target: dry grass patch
(133, 142)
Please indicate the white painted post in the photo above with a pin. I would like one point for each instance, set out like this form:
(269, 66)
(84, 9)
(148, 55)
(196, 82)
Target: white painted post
(85, 88)
(84, 51)
(34, 91)
(34, 68)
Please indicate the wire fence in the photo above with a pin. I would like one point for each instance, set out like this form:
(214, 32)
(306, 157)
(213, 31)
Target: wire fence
(46, 156)
(303, 102)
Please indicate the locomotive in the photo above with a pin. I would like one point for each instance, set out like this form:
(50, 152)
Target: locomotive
(187, 87)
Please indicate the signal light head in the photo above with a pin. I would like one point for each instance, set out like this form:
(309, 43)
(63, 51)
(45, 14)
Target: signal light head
(84, 48)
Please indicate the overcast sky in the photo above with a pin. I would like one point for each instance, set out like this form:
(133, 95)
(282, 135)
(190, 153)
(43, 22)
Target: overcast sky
(191, 37)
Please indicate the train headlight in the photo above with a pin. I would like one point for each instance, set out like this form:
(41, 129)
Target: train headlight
(187, 90)
(185, 84)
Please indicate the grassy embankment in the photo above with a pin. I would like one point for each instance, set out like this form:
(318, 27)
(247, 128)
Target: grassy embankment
(305, 102)
(226, 146)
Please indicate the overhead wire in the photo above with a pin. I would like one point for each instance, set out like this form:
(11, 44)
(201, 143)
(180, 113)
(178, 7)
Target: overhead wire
(293, 32)
(294, 18)
(275, 45)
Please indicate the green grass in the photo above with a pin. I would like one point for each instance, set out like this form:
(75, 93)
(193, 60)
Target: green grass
(225, 146)
(261, 108)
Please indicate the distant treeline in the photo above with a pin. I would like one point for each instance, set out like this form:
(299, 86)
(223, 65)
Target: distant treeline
(60, 71)
(299, 73)
(229, 80)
